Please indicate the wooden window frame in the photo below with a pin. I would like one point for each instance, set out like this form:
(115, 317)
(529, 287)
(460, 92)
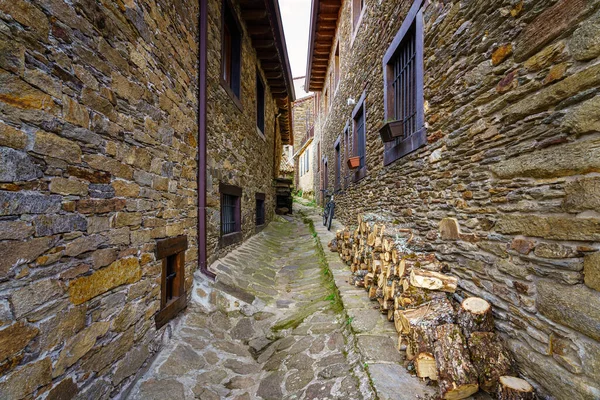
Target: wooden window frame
(337, 149)
(260, 104)
(397, 149)
(347, 151)
(234, 237)
(319, 156)
(336, 66)
(361, 171)
(325, 177)
(358, 10)
(172, 253)
(231, 75)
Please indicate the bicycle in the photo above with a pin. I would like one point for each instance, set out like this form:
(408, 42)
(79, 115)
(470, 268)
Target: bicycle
(329, 209)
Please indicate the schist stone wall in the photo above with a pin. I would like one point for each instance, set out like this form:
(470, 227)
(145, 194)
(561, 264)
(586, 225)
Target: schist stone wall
(98, 149)
(510, 170)
(237, 153)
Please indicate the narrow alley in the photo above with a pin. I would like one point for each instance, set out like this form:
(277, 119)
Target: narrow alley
(288, 338)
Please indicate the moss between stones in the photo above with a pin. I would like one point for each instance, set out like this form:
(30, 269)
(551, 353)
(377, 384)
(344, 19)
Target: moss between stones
(327, 275)
(333, 295)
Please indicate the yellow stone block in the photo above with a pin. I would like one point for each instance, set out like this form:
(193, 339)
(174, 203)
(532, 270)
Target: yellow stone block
(118, 273)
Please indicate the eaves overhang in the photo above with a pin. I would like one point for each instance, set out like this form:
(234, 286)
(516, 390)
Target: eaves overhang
(263, 22)
(323, 25)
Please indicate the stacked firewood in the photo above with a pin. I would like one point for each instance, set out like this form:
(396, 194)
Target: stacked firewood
(446, 341)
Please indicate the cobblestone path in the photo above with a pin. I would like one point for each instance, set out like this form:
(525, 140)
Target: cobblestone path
(276, 329)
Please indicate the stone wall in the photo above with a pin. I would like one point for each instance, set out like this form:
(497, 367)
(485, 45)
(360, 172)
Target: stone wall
(303, 118)
(512, 99)
(237, 153)
(98, 148)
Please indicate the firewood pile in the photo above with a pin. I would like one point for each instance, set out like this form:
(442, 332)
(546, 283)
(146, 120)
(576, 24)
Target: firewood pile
(447, 342)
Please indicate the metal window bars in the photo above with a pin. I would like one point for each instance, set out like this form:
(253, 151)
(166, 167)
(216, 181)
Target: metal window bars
(404, 84)
(229, 214)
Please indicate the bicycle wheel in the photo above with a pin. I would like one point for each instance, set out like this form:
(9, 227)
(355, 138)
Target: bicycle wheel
(325, 214)
(330, 217)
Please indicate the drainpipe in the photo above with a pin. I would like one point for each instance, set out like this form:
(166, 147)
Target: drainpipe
(202, 62)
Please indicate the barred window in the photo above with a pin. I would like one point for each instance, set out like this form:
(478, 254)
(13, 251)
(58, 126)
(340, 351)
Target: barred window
(260, 209)
(405, 104)
(229, 214)
(359, 134)
(403, 83)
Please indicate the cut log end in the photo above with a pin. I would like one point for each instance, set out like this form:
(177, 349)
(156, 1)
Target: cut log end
(475, 315)
(425, 366)
(461, 392)
(513, 388)
(476, 305)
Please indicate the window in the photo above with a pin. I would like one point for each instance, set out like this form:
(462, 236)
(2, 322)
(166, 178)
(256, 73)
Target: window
(318, 156)
(326, 102)
(307, 159)
(231, 51)
(260, 209)
(403, 83)
(230, 214)
(260, 104)
(359, 136)
(332, 84)
(347, 152)
(336, 66)
(357, 7)
(172, 287)
(338, 164)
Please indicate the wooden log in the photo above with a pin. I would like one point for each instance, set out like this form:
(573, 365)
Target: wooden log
(390, 314)
(457, 377)
(475, 315)
(425, 366)
(377, 266)
(368, 279)
(490, 359)
(413, 296)
(419, 325)
(433, 280)
(401, 342)
(512, 388)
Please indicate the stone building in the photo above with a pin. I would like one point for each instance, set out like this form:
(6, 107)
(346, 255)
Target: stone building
(138, 142)
(498, 144)
(303, 111)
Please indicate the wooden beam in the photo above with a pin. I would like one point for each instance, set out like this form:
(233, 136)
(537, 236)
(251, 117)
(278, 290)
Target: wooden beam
(254, 15)
(263, 43)
(259, 29)
(274, 74)
(328, 16)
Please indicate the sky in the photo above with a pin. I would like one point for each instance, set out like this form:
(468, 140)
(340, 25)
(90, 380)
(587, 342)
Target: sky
(295, 16)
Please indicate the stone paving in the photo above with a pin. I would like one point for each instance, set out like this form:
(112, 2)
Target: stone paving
(271, 327)
(282, 322)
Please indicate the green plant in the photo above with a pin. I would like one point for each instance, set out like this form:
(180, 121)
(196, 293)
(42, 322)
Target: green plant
(349, 320)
